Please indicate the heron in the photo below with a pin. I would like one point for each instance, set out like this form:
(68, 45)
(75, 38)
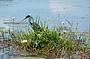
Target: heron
(34, 25)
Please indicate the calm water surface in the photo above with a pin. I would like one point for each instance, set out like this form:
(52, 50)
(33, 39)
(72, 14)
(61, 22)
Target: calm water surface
(73, 10)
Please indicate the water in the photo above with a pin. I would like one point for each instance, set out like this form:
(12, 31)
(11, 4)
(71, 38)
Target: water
(6, 53)
(73, 10)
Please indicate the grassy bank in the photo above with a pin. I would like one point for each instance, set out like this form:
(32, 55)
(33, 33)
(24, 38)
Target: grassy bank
(27, 58)
(49, 43)
(31, 58)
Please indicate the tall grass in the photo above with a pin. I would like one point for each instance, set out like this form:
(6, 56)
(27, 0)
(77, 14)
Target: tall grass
(49, 43)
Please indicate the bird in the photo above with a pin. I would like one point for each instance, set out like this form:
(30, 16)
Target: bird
(28, 16)
(35, 26)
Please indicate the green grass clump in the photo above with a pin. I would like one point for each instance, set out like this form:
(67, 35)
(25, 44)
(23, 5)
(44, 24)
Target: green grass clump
(48, 43)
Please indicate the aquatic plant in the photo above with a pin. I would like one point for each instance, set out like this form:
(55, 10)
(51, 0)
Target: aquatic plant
(48, 43)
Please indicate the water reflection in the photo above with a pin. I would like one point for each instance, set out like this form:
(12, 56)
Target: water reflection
(5, 2)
